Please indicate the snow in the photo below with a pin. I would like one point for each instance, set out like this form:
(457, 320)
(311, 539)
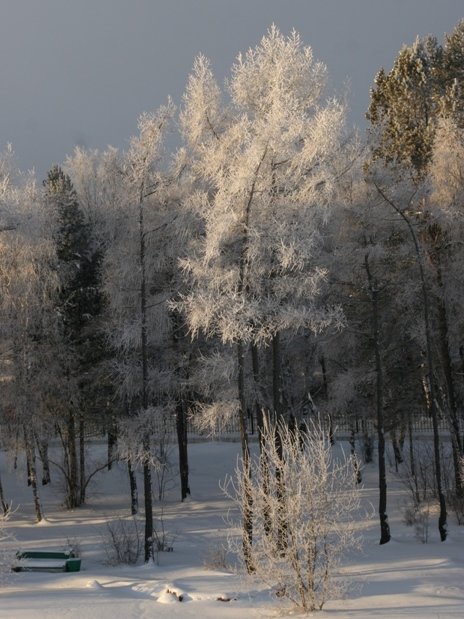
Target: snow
(402, 579)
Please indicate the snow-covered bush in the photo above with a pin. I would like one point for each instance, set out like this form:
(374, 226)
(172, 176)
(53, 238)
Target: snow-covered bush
(7, 552)
(123, 541)
(304, 504)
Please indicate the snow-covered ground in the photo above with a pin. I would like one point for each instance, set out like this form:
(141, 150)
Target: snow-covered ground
(403, 579)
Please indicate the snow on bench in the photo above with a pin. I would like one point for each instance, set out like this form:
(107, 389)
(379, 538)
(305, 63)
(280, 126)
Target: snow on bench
(46, 560)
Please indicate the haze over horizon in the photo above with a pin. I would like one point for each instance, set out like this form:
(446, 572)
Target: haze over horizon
(80, 73)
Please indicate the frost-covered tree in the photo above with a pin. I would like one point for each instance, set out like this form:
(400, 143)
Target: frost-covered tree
(263, 160)
(453, 72)
(321, 505)
(404, 105)
(369, 367)
(425, 84)
(98, 183)
(140, 278)
(30, 328)
(444, 212)
(408, 108)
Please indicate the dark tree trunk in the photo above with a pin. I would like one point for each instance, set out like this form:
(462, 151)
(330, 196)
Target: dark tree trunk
(42, 448)
(73, 493)
(261, 404)
(325, 385)
(133, 489)
(262, 420)
(450, 405)
(4, 504)
(181, 409)
(368, 442)
(442, 525)
(397, 451)
(374, 295)
(412, 461)
(112, 444)
(282, 529)
(82, 484)
(247, 534)
(147, 487)
(182, 442)
(148, 501)
(258, 404)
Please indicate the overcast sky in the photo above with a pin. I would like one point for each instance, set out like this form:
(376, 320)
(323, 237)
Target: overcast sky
(79, 72)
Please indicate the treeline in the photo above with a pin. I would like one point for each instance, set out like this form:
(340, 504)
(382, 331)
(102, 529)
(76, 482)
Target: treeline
(275, 265)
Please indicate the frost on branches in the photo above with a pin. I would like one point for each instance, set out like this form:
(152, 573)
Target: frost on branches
(265, 176)
(314, 501)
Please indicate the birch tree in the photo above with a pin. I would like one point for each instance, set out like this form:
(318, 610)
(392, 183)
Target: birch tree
(139, 266)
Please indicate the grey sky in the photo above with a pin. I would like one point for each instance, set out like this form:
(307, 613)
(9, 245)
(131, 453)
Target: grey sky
(81, 71)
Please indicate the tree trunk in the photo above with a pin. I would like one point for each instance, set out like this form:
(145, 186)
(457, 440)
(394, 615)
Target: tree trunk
(442, 526)
(112, 444)
(133, 489)
(42, 447)
(373, 290)
(247, 534)
(148, 501)
(262, 421)
(450, 405)
(4, 504)
(181, 409)
(354, 458)
(82, 484)
(282, 527)
(32, 473)
(147, 488)
(247, 537)
(397, 451)
(326, 397)
(182, 442)
(412, 461)
(368, 442)
(72, 499)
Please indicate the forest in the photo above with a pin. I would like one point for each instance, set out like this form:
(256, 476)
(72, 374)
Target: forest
(248, 264)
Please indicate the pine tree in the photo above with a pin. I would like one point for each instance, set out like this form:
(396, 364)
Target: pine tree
(404, 104)
(79, 306)
(426, 83)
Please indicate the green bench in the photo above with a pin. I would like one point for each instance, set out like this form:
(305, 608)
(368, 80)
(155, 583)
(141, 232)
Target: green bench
(46, 561)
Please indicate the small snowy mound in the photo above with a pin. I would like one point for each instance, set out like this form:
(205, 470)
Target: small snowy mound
(171, 595)
(94, 584)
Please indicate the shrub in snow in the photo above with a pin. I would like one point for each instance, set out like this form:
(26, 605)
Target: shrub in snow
(215, 558)
(304, 503)
(123, 541)
(7, 552)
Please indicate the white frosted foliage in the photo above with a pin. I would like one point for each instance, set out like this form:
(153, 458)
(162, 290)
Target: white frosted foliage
(263, 155)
